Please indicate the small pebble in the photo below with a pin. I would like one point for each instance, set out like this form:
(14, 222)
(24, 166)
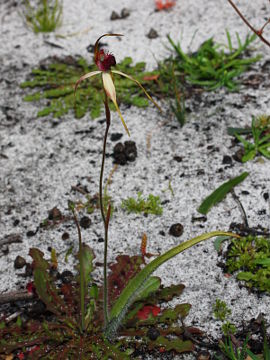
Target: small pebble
(85, 222)
(54, 214)
(266, 196)
(153, 333)
(66, 277)
(125, 13)
(19, 262)
(37, 308)
(30, 233)
(114, 16)
(227, 160)
(178, 158)
(16, 222)
(176, 230)
(65, 236)
(238, 155)
(116, 136)
(204, 355)
(152, 34)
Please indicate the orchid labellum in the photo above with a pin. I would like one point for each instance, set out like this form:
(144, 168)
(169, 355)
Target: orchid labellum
(104, 61)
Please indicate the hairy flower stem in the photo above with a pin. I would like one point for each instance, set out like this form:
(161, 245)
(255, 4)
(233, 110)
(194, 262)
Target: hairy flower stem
(105, 218)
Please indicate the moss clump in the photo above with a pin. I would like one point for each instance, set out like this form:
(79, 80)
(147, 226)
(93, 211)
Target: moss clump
(250, 256)
(151, 205)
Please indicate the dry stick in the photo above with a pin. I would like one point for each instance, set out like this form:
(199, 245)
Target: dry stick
(12, 238)
(244, 215)
(257, 32)
(15, 296)
(105, 218)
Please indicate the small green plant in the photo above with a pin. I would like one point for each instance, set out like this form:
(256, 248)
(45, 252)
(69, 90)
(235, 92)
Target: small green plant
(261, 140)
(250, 257)
(178, 104)
(212, 67)
(222, 312)
(46, 17)
(152, 205)
(236, 352)
(54, 82)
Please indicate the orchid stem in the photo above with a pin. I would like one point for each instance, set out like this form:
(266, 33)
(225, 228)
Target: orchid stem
(105, 218)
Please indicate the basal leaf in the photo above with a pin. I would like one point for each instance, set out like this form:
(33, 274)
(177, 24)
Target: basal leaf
(177, 345)
(132, 289)
(220, 193)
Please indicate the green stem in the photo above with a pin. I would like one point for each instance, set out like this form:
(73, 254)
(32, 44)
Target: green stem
(105, 218)
(82, 280)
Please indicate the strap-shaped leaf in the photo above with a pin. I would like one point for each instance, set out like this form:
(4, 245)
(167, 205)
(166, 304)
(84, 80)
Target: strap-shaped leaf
(220, 193)
(134, 286)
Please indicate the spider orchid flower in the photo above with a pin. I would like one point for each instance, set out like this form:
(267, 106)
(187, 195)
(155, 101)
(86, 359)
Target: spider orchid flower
(104, 62)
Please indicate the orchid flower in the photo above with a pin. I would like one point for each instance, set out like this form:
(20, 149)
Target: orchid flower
(104, 62)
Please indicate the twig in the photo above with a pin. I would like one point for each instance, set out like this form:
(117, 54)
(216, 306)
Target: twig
(11, 238)
(257, 32)
(15, 296)
(244, 215)
(79, 189)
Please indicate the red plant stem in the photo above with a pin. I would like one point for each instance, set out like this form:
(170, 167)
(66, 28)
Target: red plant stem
(258, 33)
(104, 218)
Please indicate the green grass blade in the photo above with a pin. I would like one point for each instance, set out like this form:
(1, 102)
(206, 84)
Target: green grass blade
(220, 193)
(229, 41)
(135, 285)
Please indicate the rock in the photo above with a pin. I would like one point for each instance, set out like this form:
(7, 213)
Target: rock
(176, 230)
(114, 16)
(125, 13)
(238, 155)
(54, 214)
(19, 262)
(66, 277)
(65, 236)
(85, 222)
(116, 136)
(227, 160)
(152, 34)
(153, 333)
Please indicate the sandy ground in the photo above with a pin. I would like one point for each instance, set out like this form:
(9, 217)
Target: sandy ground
(44, 157)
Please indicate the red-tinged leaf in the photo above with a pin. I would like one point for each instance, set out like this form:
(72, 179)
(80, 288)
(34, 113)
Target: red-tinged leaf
(151, 77)
(147, 311)
(21, 356)
(30, 287)
(33, 349)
